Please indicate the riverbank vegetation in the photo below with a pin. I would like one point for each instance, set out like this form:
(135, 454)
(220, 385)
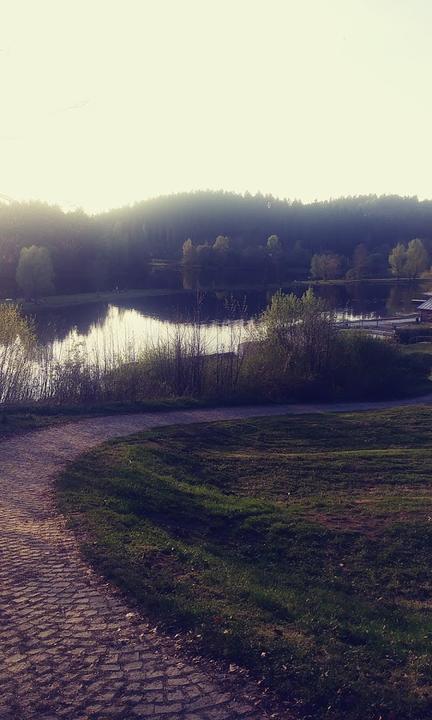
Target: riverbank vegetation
(213, 236)
(297, 546)
(293, 351)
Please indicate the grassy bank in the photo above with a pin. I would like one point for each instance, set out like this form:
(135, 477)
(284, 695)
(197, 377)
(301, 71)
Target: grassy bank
(14, 423)
(299, 547)
(21, 419)
(353, 281)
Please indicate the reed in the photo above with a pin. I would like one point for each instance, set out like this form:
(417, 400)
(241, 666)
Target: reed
(183, 364)
(293, 352)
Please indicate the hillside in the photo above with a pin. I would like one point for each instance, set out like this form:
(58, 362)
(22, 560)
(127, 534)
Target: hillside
(116, 248)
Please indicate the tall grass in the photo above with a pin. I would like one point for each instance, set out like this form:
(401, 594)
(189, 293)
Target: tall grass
(182, 364)
(17, 345)
(295, 352)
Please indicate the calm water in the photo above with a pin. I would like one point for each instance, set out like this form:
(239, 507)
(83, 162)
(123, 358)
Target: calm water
(124, 324)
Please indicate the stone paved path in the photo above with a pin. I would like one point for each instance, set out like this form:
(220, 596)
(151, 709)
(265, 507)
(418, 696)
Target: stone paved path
(70, 647)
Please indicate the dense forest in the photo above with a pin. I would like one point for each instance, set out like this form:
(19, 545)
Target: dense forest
(222, 234)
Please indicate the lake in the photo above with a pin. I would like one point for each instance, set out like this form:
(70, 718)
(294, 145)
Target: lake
(133, 325)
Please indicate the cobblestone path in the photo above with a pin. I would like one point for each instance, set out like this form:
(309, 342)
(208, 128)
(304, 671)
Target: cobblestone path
(70, 647)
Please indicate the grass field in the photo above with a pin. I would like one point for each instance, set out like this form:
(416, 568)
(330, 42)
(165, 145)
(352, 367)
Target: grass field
(297, 546)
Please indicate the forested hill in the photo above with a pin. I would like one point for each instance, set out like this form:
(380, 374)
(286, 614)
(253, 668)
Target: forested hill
(115, 249)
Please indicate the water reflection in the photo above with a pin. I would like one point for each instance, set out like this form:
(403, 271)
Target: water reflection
(136, 324)
(127, 332)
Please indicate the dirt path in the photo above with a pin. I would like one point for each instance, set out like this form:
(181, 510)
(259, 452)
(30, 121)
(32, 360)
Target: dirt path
(70, 647)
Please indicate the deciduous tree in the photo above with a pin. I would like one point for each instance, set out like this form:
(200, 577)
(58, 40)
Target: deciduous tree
(326, 266)
(221, 244)
(397, 260)
(416, 258)
(274, 245)
(189, 252)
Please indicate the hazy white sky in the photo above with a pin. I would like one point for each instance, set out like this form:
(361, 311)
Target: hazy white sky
(105, 102)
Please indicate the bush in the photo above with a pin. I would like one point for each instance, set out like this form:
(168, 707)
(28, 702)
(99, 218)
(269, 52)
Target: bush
(414, 333)
(368, 367)
(293, 347)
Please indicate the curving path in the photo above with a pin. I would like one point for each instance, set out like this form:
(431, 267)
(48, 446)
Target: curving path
(70, 646)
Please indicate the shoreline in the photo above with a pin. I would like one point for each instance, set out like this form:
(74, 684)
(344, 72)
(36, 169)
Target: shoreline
(63, 301)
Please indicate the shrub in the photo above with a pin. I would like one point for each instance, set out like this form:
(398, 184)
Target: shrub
(368, 367)
(17, 341)
(414, 333)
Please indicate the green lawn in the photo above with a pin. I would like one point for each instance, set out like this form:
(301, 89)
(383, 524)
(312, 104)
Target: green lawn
(298, 546)
(13, 423)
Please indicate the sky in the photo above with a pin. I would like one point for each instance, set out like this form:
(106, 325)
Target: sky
(107, 102)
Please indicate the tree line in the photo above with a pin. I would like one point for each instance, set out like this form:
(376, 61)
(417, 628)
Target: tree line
(404, 261)
(222, 234)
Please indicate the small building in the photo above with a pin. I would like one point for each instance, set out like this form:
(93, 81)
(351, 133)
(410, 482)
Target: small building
(425, 310)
